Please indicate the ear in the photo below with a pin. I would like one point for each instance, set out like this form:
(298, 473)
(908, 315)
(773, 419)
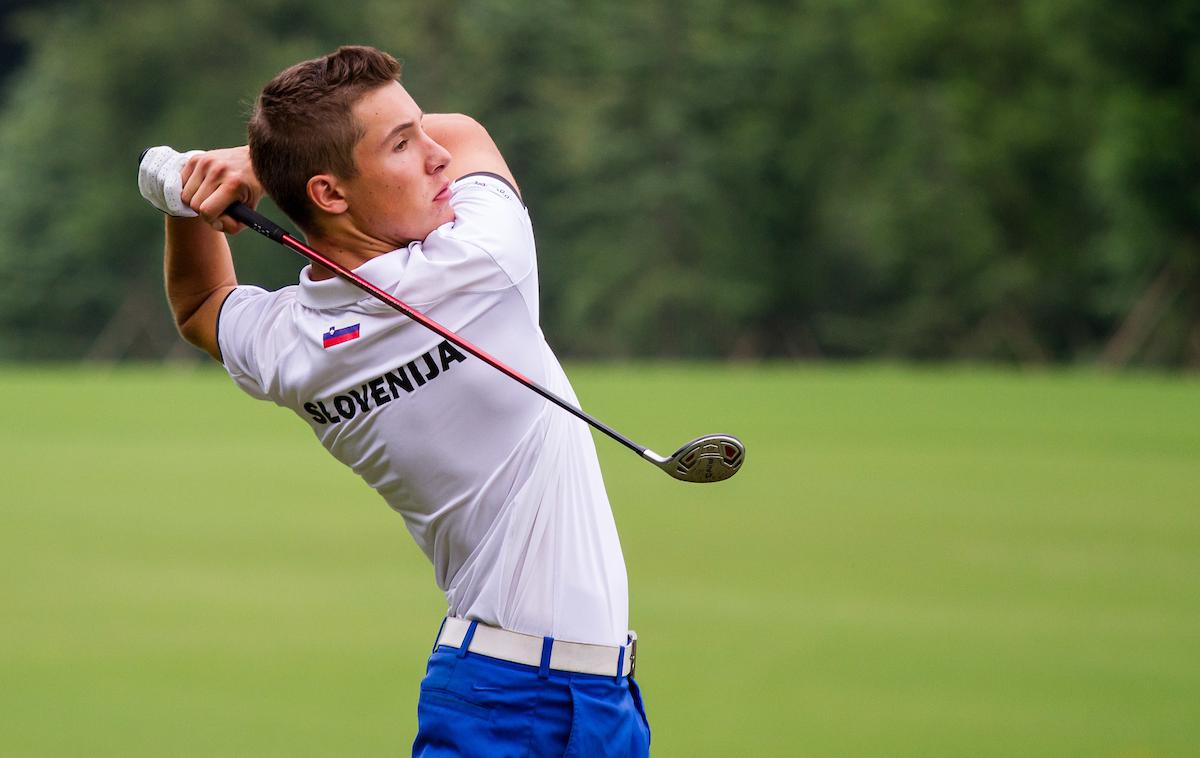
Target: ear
(325, 192)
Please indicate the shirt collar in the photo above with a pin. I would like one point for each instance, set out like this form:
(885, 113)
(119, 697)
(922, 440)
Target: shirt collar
(382, 270)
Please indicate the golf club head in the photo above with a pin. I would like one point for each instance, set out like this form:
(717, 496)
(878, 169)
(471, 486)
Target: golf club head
(711, 458)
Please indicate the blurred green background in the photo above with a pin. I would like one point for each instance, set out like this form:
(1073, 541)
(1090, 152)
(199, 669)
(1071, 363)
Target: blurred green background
(950, 179)
(898, 247)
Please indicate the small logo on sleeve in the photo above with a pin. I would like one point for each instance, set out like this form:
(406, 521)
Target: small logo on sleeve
(337, 336)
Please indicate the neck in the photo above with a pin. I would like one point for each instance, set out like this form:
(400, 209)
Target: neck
(347, 246)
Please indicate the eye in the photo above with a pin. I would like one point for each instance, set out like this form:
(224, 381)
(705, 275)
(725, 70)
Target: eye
(401, 145)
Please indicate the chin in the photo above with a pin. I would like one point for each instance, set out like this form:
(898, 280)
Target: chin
(445, 218)
(429, 227)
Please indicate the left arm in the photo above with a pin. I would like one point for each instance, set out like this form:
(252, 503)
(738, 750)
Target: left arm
(471, 147)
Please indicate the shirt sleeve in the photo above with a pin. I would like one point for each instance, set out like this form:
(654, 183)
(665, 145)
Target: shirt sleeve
(489, 214)
(248, 339)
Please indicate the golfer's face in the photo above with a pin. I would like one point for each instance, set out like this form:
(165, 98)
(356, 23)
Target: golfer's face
(401, 193)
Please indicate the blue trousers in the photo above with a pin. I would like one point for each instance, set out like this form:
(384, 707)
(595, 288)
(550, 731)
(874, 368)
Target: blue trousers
(474, 705)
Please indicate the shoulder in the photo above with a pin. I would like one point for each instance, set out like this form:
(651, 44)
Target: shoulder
(247, 305)
(490, 219)
(490, 183)
(251, 319)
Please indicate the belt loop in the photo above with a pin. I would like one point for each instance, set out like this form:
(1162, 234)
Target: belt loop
(620, 663)
(547, 647)
(466, 643)
(632, 653)
(441, 628)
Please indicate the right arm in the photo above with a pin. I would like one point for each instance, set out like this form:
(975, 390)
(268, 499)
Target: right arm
(198, 271)
(197, 262)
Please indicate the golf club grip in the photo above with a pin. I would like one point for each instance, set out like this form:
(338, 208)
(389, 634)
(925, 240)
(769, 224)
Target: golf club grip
(256, 221)
(259, 223)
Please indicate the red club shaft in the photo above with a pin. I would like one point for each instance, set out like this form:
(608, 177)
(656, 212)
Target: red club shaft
(266, 227)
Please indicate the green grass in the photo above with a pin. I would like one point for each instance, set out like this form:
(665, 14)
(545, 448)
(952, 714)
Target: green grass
(912, 563)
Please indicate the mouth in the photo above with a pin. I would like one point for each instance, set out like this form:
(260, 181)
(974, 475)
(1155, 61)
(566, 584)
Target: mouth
(442, 196)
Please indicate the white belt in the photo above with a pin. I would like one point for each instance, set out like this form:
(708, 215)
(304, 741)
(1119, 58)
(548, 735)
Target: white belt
(577, 657)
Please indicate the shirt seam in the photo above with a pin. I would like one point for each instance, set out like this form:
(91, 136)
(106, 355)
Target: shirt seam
(418, 305)
(511, 282)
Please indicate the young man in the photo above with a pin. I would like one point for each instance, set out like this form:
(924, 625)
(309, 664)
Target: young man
(501, 489)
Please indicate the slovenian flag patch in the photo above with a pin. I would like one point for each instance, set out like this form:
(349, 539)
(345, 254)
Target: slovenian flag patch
(338, 336)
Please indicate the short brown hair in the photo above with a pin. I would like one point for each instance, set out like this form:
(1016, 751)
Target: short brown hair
(302, 123)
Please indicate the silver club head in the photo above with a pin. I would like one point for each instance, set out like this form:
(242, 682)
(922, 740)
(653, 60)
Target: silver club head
(711, 458)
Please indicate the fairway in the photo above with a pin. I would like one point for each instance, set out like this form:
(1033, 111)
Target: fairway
(913, 562)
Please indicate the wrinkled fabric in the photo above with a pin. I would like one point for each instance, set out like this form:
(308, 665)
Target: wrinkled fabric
(499, 488)
(480, 706)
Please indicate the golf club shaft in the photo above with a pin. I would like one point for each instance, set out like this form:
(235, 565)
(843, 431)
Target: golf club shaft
(267, 228)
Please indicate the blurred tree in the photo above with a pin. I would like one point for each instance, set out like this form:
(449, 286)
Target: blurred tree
(1146, 168)
(12, 46)
(843, 178)
(77, 240)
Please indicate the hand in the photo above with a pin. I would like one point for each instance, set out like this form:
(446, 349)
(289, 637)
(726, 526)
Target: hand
(214, 180)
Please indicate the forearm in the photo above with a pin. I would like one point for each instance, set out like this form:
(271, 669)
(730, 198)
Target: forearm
(197, 263)
(197, 266)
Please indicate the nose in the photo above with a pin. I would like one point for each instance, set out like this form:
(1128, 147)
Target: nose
(437, 159)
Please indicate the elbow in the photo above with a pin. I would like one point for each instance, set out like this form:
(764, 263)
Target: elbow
(475, 128)
(186, 327)
(184, 310)
(455, 128)
(196, 320)
(196, 312)
(200, 334)
(190, 329)
(463, 121)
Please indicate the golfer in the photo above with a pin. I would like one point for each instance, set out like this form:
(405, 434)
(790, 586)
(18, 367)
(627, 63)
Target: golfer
(501, 489)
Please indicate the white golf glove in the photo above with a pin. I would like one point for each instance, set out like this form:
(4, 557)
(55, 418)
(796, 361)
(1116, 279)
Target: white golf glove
(160, 182)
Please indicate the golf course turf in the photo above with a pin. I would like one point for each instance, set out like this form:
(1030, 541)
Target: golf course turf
(913, 562)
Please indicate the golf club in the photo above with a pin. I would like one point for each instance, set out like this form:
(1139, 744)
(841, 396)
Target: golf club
(711, 458)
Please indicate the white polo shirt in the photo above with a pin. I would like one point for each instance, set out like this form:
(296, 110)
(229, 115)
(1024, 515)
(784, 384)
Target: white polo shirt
(499, 487)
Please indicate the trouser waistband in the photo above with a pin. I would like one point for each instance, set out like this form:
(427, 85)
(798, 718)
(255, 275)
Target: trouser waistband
(545, 653)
